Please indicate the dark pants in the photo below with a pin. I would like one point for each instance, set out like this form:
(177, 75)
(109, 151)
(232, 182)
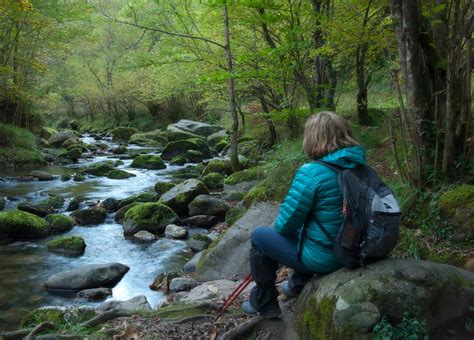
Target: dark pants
(268, 250)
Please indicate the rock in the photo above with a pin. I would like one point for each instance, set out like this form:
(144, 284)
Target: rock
(457, 206)
(180, 284)
(235, 196)
(21, 224)
(66, 178)
(120, 150)
(74, 154)
(211, 291)
(59, 138)
(152, 138)
(59, 223)
(245, 176)
(152, 217)
(198, 128)
(349, 303)
(469, 264)
(221, 146)
(178, 160)
(48, 206)
(179, 197)
(71, 245)
(202, 221)
(123, 134)
(95, 294)
(87, 276)
(143, 237)
(180, 148)
(174, 134)
(194, 156)
(75, 203)
(222, 166)
(138, 198)
(137, 303)
(110, 204)
(79, 178)
(57, 315)
(190, 266)
(230, 257)
(162, 281)
(100, 169)
(47, 132)
(42, 175)
(3, 203)
(234, 214)
(214, 180)
(176, 232)
(199, 242)
(120, 174)
(162, 187)
(216, 138)
(208, 205)
(120, 215)
(151, 162)
(90, 216)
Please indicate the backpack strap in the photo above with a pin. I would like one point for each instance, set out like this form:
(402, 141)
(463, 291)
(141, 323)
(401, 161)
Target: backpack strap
(333, 167)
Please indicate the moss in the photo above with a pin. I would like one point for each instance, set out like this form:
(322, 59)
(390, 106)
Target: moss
(139, 198)
(180, 147)
(256, 194)
(462, 195)
(79, 178)
(151, 162)
(153, 217)
(152, 138)
(224, 167)
(178, 160)
(70, 244)
(22, 224)
(234, 214)
(123, 134)
(119, 174)
(221, 145)
(162, 187)
(120, 150)
(74, 154)
(245, 175)
(90, 216)
(194, 156)
(18, 148)
(51, 204)
(38, 316)
(214, 180)
(100, 169)
(318, 318)
(120, 214)
(59, 223)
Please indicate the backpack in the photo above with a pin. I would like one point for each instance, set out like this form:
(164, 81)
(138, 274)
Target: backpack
(371, 217)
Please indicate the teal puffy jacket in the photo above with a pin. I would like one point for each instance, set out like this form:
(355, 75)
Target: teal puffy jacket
(315, 190)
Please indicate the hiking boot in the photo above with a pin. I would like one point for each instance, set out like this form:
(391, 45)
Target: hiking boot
(287, 290)
(271, 310)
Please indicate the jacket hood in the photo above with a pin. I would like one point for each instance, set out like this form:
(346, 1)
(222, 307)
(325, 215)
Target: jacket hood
(348, 157)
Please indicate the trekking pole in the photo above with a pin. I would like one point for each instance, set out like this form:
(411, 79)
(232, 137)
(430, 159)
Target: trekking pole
(235, 294)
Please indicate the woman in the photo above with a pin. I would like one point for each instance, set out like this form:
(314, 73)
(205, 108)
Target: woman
(314, 197)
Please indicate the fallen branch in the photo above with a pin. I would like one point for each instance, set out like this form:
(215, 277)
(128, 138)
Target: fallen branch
(38, 329)
(106, 316)
(239, 331)
(18, 334)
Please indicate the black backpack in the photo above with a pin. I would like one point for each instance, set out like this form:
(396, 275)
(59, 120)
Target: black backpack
(371, 217)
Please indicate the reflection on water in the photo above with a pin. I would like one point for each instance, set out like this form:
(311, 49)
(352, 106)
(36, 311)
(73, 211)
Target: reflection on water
(25, 266)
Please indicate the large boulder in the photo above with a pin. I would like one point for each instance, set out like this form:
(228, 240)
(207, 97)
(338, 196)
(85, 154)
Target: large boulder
(174, 133)
(216, 138)
(214, 180)
(120, 214)
(202, 221)
(138, 198)
(152, 217)
(230, 257)
(87, 276)
(43, 208)
(349, 303)
(90, 216)
(457, 206)
(73, 154)
(135, 304)
(151, 162)
(42, 175)
(208, 205)
(69, 245)
(198, 128)
(100, 168)
(180, 148)
(152, 138)
(212, 292)
(123, 134)
(59, 138)
(59, 223)
(21, 224)
(221, 166)
(179, 197)
(120, 174)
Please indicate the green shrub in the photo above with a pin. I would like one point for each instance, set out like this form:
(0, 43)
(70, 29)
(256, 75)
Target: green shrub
(409, 328)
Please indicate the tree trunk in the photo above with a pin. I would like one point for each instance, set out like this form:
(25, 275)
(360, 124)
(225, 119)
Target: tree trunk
(234, 156)
(362, 110)
(271, 127)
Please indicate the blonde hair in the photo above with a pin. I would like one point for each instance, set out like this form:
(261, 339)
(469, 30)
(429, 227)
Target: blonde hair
(326, 132)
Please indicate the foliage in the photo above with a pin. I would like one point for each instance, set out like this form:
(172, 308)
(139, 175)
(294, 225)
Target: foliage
(409, 328)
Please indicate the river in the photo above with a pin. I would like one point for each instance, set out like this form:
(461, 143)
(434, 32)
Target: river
(25, 266)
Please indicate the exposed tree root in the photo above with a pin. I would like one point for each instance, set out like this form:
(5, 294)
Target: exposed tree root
(39, 328)
(18, 334)
(239, 331)
(106, 316)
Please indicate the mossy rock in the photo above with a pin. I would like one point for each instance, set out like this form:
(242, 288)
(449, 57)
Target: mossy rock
(47, 132)
(152, 217)
(258, 193)
(216, 138)
(151, 162)
(59, 223)
(162, 187)
(45, 207)
(180, 147)
(100, 169)
(120, 214)
(90, 216)
(199, 242)
(75, 203)
(152, 138)
(123, 134)
(222, 166)
(457, 206)
(138, 198)
(73, 154)
(245, 175)
(178, 160)
(66, 178)
(175, 134)
(194, 156)
(70, 245)
(221, 145)
(214, 180)
(120, 150)
(119, 174)
(21, 224)
(179, 197)
(79, 178)
(234, 214)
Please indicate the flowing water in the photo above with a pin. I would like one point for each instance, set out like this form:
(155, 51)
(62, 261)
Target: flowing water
(25, 266)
